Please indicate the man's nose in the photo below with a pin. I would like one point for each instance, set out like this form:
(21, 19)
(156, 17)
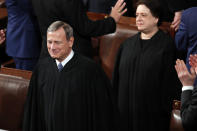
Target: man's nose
(53, 45)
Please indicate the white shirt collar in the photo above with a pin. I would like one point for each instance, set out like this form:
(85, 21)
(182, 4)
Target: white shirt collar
(67, 59)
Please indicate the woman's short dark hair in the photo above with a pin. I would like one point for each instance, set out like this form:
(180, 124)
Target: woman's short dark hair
(154, 8)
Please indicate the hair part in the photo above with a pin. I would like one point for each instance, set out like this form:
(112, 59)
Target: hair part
(60, 24)
(154, 8)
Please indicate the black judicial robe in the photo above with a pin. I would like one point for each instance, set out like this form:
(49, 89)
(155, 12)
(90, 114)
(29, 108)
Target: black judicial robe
(143, 80)
(76, 99)
(99, 6)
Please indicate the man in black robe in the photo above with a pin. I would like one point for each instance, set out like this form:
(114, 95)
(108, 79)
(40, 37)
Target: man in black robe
(73, 12)
(75, 96)
(144, 77)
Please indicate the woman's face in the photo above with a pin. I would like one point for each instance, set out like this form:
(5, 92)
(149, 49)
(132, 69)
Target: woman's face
(145, 21)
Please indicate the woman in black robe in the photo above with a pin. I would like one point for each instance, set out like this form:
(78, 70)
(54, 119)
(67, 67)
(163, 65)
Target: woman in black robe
(144, 75)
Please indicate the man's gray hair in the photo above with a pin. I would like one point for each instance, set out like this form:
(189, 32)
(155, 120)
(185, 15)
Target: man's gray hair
(58, 24)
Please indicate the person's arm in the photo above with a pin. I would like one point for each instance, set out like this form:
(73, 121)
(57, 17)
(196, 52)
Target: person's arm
(188, 96)
(33, 115)
(115, 74)
(2, 36)
(181, 37)
(169, 85)
(80, 22)
(25, 5)
(189, 109)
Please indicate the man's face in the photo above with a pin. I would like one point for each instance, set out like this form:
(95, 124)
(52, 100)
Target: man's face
(144, 20)
(58, 46)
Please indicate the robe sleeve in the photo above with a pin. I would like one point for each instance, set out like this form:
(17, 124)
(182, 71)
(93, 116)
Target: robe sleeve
(81, 23)
(189, 109)
(115, 75)
(32, 120)
(105, 111)
(170, 86)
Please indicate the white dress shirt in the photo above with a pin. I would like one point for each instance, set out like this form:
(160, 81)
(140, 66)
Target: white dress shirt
(67, 59)
(184, 88)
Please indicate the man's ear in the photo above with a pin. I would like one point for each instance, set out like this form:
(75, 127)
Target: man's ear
(156, 20)
(71, 41)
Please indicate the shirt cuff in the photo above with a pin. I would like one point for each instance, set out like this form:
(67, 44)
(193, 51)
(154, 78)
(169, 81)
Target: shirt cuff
(187, 88)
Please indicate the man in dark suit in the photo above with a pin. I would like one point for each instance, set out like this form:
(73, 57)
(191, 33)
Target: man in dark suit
(189, 93)
(23, 41)
(74, 13)
(186, 37)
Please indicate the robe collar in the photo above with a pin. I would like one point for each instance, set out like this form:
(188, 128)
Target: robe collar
(67, 59)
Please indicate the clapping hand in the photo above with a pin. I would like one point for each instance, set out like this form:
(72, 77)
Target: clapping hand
(187, 78)
(193, 62)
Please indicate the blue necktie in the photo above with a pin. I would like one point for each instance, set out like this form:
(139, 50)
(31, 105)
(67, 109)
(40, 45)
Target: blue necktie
(60, 67)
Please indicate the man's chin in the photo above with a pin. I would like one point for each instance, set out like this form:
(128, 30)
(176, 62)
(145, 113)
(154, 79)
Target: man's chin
(53, 56)
(140, 29)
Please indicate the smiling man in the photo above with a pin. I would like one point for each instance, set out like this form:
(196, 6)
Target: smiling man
(59, 46)
(68, 92)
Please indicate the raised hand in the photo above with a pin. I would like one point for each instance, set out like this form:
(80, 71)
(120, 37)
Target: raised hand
(118, 10)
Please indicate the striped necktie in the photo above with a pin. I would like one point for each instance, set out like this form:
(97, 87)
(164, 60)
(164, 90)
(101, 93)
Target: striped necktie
(60, 66)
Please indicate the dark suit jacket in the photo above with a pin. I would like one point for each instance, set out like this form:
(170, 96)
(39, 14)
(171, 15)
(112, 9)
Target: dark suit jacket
(189, 109)
(186, 37)
(73, 13)
(23, 35)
